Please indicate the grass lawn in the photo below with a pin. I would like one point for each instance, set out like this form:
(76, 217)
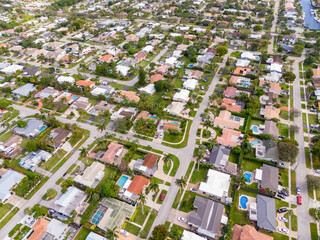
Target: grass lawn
(54, 159)
(284, 114)
(184, 142)
(157, 180)
(133, 229)
(8, 217)
(166, 167)
(283, 129)
(189, 170)
(280, 204)
(82, 234)
(143, 63)
(176, 200)
(276, 235)
(187, 202)
(148, 225)
(294, 223)
(138, 217)
(165, 192)
(304, 118)
(205, 133)
(284, 179)
(293, 182)
(116, 86)
(5, 209)
(250, 165)
(313, 119)
(233, 158)
(238, 216)
(314, 231)
(175, 167)
(6, 136)
(199, 176)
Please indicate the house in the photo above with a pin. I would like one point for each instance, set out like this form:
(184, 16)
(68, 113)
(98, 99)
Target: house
(229, 138)
(57, 137)
(114, 213)
(7, 182)
(149, 89)
(270, 177)
(163, 69)
(190, 84)
(270, 112)
(266, 213)
(95, 236)
(33, 128)
(249, 56)
(47, 93)
(31, 161)
(55, 230)
(101, 107)
(86, 83)
(242, 63)
(241, 70)
(24, 91)
(30, 72)
(63, 79)
(175, 108)
(230, 92)
(275, 67)
(132, 38)
(39, 229)
(63, 207)
(148, 166)
(115, 150)
(187, 235)
(103, 90)
(182, 96)
(128, 112)
(289, 39)
(155, 78)
(140, 55)
(135, 187)
(171, 126)
(106, 58)
(248, 232)
(171, 61)
(219, 159)
(91, 176)
(208, 217)
(270, 127)
(231, 105)
(195, 74)
(10, 146)
(226, 120)
(81, 103)
(130, 95)
(273, 87)
(217, 184)
(267, 150)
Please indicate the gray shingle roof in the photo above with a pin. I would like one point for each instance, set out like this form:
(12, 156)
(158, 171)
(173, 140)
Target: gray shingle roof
(218, 153)
(266, 213)
(270, 177)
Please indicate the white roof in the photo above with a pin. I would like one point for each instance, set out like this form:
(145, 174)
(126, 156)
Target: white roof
(98, 91)
(62, 79)
(56, 228)
(171, 60)
(122, 69)
(148, 48)
(175, 108)
(217, 184)
(190, 84)
(149, 89)
(242, 63)
(94, 236)
(248, 55)
(7, 181)
(258, 174)
(275, 67)
(12, 69)
(186, 235)
(182, 96)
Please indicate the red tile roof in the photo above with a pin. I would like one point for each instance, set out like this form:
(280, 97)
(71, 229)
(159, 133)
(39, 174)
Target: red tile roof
(137, 184)
(39, 229)
(150, 160)
(106, 57)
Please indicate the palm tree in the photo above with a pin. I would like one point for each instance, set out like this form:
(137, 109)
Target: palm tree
(84, 153)
(154, 187)
(112, 234)
(142, 200)
(201, 151)
(181, 183)
(167, 159)
(207, 124)
(102, 127)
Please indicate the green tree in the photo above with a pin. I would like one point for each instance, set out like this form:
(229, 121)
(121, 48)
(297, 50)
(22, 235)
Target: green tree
(288, 152)
(142, 77)
(112, 234)
(159, 232)
(221, 51)
(4, 103)
(289, 76)
(142, 200)
(167, 159)
(21, 123)
(181, 183)
(102, 127)
(257, 28)
(110, 189)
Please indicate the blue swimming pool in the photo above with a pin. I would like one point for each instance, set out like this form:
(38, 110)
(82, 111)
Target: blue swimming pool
(255, 142)
(247, 176)
(246, 84)
(106, 95)
(190, 65)
(97, 217)
(122, 181)
(153, 117)
(243, 202)
(175, 122)
(74, 97)
(42, 128)
(255, 129)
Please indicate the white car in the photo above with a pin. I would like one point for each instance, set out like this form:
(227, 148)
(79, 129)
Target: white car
(193, 190)
(317, 171)
(283, 230)
(124, 232)
(181, 219)
(283, 219)
(211, 134)
(282, 164)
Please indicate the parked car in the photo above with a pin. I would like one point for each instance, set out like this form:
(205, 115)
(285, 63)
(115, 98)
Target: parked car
(299, 200)
(317, 171)
(281, 196)
(161, 134)
(124, 232)
(283, 230)
(298, 191)
(211, 134)
(162, 196)
(181, 219)
(282, 210)
(157, 135)
(193, 190)
(283, 219)
(207, 151)
(281, 164)
(283, 193)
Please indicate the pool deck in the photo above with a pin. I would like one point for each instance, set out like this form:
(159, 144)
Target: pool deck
(250, 199)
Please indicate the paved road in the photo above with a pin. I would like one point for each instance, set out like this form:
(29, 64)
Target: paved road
(185, 154)
(301, 168)
(274, 24)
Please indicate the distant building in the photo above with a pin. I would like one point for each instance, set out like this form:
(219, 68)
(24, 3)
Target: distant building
(57, 137)
(91, 176)
(7, 182)
(148, 166)
(31, 161)
(33, 128)
(24, 90)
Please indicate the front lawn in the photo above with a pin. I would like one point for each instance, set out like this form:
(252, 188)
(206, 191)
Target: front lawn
(186, 204)
(283, 129)
(199, 176)
(284, 114)
(133, 229)
(293, 182)
(4, 209)
(8, 217)
(314, 231)
(53, 160)
(250, 165)
(284, 178)
(140, 217)
(147, 227)
(143, 63)
(82, 234)
(313, 119)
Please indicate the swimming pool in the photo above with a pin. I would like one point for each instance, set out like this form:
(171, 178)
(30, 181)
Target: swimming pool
(74, 97)
(122, 181)
(255, 142)
(243, 202)
(175, 122)
(246, 84)
(255, 129)
(190, 65)
(106, 95)
(97, 217)
(247, 176)
(153, 117)
(42, 128)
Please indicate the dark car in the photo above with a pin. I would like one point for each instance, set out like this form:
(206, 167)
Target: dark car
(283, 193)
(162, 196)
(282, 210)
(281, 196)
